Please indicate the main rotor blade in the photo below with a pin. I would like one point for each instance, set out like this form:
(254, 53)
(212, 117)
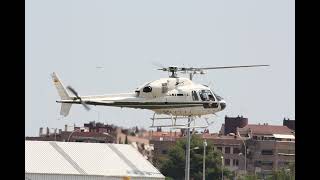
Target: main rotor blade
(225, 67)
(73, 91)
(161, 66)
(158, 64)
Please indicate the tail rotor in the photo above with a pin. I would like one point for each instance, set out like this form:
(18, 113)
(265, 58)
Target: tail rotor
(78, 97)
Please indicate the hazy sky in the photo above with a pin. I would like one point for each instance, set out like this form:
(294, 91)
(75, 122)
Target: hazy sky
(73, 37)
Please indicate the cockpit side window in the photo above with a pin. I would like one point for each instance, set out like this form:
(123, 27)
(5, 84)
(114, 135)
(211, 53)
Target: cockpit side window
(195, 96)
(206, 95)
(147, 89)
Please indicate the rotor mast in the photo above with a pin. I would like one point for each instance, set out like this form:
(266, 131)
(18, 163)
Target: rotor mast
(173, 71)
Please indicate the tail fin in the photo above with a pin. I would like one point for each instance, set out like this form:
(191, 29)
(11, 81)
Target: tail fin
(65, 107)
(61, 90)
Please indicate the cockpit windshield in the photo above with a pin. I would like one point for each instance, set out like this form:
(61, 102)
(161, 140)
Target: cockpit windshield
(219, 98)
(206, 95)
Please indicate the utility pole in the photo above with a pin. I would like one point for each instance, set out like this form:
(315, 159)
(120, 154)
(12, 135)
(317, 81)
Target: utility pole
(187, 167)
(204, 160)
(245, 154)
(222, 166)
(187, 170)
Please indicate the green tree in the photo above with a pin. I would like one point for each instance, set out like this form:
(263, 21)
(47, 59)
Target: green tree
(249, 177)
(174, 166)
(285, 173)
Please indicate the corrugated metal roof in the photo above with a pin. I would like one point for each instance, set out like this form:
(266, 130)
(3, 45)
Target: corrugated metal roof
(49, 157)
(284, 136)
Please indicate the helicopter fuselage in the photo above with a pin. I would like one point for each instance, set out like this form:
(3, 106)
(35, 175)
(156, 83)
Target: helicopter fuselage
(170, 96)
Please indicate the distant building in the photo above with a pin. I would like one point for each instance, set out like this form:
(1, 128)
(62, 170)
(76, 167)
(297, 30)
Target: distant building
(86, 161)
(96, 132)
(100, 127)
(140, 142)
(162, 142)
(230, 146)
(269, 147)
(232, 123)
(89, 133)
(289, 123)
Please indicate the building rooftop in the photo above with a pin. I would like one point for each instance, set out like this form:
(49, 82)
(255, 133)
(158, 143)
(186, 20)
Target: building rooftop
(222, 139)
(87, 134)
(162, 134)
(99, 159)
(266, 129)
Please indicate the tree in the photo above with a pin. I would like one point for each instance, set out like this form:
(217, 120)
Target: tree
(285, 173)
(174, 166)
(249, 177)
(132, 134)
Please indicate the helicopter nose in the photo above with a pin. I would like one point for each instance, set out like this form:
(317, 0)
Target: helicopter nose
(222, 105)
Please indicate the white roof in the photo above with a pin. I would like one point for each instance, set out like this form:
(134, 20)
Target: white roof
(284, 136)
(49, 157)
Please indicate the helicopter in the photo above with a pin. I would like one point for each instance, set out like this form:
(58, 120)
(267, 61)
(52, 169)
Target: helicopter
(174, 96)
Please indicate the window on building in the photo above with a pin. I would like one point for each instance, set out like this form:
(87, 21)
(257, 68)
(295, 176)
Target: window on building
(267, 163)
(255, 137)
(236, 150)
(267, 138)
(257, 163)
(227, 150)
(219, 148)
(259, 138)
(235, 162)
(267, 152)
(164, 151)
(227, 162)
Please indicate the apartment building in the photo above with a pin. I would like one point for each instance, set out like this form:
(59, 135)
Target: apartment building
(230, 147)
(269, 147)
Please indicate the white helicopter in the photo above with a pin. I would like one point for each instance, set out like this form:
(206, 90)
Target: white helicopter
(174, 96)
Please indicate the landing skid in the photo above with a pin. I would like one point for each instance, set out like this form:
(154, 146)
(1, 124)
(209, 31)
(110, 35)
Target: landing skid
(174, 124)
